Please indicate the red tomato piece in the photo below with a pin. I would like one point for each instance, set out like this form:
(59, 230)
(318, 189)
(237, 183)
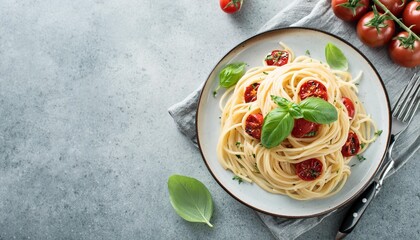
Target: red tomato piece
(349, 106)
(404, 54)
(313, 88)
(253, 125)
(230, 6)
(350, 10)
(251, 92)
(394, 6)
(411, 16)
(304, 128)
(277, 58)
(309, 170)
(372, 36)
(352, 145)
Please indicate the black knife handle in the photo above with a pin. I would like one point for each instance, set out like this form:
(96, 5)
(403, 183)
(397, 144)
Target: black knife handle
(357, 209)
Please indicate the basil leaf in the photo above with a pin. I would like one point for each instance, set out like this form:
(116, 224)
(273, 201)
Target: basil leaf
(335, 57)
(318, 110)
(278, 124)
(190, 199)
(288, 106)
(295, 111)
(282, 102)
(231, 74)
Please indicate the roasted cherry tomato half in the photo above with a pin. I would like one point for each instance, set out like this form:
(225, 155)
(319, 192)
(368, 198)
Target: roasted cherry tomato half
(372, 36)
(309, 170)
(411, 16)
(406, 56)
(277, 58)
(230, 6)
(304, 128)
(350, 10)
(251, 92)
(352, 145)
(349, 106)
(313, 88)
(253, 125)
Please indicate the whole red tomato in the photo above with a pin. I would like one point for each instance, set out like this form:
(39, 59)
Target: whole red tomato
(374, 30)
(394, 6)
(230, 6)
(411, 16)
(349, 10)
(404, 50)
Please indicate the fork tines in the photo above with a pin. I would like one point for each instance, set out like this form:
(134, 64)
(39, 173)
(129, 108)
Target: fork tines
(408, 100)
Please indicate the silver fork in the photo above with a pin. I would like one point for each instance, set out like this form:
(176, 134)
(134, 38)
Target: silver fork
(403, 112)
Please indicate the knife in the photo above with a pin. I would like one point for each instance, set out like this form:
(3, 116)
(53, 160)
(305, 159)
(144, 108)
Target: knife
(362, 202)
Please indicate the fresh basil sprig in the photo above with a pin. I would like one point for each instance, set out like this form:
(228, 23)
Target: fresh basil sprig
(335, 57)
(190, 199)
(279, 122)
(230, 75)
(290, 107)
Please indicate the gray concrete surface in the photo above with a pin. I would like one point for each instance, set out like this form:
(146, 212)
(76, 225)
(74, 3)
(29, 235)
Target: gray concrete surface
(86, 143)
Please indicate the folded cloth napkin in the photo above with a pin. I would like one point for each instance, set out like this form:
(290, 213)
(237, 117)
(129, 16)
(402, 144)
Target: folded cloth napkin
(317, 14)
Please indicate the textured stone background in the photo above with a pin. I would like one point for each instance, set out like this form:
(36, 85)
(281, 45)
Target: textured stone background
(86, 143)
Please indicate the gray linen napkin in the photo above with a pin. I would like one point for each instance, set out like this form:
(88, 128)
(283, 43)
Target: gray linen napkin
(317, 14)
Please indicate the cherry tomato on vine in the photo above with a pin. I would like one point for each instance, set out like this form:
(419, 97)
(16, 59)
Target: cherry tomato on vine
(277, 58)
(313, 88)
(411, 16)
(375, 30)
(350, 10)
(253, 125)
(349, 106)
(404, 50)
(250, 94)
(304, 128)
(352, 145)
(230, 6)
(309, 170)
(394, 6)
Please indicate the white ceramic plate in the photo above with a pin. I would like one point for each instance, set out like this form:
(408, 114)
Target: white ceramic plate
(371, 92)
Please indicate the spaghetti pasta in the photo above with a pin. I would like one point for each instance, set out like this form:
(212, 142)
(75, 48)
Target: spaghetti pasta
(276, 169)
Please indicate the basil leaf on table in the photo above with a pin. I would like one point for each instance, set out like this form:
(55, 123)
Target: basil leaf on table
(278, 124)
(335, 57)
(190, 199)
(318, 110)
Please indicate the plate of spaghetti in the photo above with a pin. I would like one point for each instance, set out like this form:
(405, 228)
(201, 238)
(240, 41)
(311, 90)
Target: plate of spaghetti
(293, 122)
